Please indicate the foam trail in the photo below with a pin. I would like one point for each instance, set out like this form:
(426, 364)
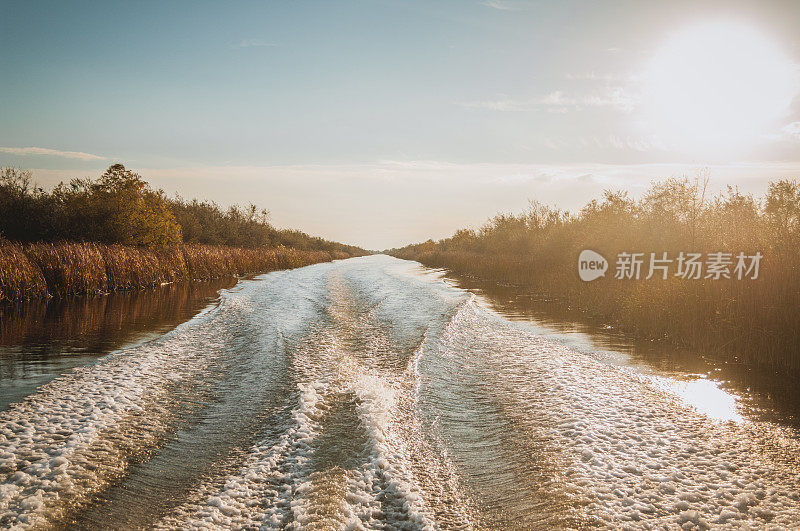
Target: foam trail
(66, 442)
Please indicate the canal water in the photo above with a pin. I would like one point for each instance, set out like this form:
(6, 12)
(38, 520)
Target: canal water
(376, 393)
(42, 339)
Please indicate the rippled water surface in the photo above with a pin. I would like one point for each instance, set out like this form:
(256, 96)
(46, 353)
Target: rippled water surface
(40, 340)
(722, 385)
(373, 392)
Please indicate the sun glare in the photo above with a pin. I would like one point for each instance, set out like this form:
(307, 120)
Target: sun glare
(717, 88)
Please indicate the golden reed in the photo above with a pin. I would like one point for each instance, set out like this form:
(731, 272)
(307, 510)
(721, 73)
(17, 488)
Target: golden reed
(36, 270)
(755, 321)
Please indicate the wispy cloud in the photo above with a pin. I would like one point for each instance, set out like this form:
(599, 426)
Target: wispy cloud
(627, 143)
(792, 130)
(560, 102)
(592, 76)
(500, 103)
(51, 152)
(637, 143)
(254, 43)
(502, 5)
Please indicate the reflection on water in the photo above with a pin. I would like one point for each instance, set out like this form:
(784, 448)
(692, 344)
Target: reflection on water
(705, 395)
(40, 340)
(722, 389)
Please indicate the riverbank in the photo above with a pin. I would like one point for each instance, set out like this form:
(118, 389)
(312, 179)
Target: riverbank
(38, 270)
(751, 322)
(707, 273)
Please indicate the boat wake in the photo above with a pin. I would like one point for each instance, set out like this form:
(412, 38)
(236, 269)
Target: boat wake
(367, 393)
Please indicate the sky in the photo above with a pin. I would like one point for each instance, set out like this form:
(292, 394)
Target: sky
(387, 122)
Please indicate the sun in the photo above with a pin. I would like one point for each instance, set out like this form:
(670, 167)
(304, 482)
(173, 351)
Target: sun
(717, 88)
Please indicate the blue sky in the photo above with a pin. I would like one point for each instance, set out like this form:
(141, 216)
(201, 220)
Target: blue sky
(377, 123)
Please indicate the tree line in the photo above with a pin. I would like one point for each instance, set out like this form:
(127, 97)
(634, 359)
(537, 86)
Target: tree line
(120, 207)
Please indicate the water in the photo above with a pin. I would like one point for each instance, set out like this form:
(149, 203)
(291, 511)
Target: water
(40, 340)
(723, 387)
(373, 392)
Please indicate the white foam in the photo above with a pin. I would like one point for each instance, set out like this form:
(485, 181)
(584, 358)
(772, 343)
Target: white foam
(59, 444)
(382, 489)
(636, 453)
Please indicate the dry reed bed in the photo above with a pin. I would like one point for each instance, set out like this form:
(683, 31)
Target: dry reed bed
(756, 321)
(73, 268)
(750, 319)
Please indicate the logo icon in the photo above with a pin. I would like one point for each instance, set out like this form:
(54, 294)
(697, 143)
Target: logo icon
(591, 265)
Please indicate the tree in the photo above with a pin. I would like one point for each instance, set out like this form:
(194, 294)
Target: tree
(26, 211)
(120, 207)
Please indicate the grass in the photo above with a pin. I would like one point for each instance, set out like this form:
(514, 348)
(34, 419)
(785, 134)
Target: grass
(37, 270)
(19, 278)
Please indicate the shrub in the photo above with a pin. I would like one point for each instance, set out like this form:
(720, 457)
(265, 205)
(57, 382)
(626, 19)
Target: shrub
(119, 207)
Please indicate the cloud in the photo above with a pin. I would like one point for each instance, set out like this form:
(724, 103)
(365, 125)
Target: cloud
(502, 5)
(614, 97)
(52, 152)
(792, 130)
(502, 103)
(591, 76)
(558, 102)
(254, 43)
(626, 143)
(636, 144)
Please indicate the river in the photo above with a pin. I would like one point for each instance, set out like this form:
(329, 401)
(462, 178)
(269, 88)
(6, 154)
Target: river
(375, 393)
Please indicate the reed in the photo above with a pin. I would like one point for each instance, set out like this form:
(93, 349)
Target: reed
(69, 268)
(74, 268)
(756, 321)
(19, 278)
